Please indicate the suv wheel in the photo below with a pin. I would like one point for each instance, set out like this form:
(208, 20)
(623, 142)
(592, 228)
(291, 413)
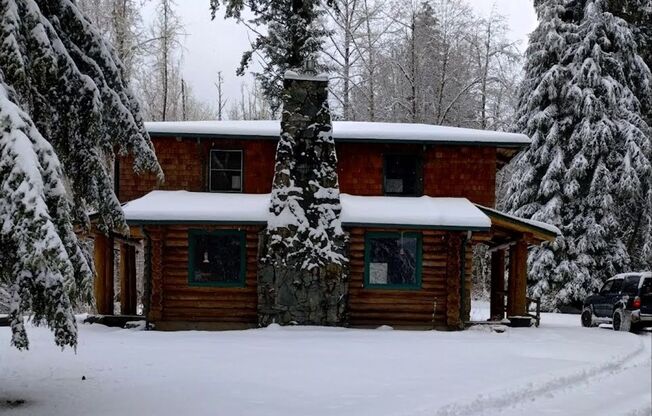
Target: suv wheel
(587, 317)
(621, 321)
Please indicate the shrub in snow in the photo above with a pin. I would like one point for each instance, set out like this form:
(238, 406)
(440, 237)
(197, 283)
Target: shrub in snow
(588, 169)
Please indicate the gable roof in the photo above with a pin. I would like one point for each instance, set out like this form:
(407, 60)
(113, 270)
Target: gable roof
(373, 211)
(343, 131)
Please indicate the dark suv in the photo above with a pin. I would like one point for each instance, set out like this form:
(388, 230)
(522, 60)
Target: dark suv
(625, 300)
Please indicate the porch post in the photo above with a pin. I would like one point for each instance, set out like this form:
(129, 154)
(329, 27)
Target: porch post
(517, 283)
(128, 293)
(497, 308)
(103, 257)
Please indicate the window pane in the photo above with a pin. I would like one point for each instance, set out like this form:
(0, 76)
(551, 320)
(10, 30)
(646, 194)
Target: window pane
(221, 159)
(217, 258)
(618, 283)
(401, 174)
(226, 181)
(630, 286)
(392, 260)
(607, 286)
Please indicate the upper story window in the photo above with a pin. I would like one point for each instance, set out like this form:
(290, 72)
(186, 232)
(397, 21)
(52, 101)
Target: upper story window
(225, 171)
(402, 175)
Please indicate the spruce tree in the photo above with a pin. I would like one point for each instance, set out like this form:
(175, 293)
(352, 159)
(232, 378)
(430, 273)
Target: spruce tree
(588, 168)
(293, 34)
(66, 110)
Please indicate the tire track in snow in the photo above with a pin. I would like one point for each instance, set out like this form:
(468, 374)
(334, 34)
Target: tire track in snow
(531, 391)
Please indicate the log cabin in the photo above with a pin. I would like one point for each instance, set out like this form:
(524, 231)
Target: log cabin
(415, 200)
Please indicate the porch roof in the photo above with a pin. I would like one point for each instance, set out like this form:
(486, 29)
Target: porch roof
(501, 223)
(160, 207)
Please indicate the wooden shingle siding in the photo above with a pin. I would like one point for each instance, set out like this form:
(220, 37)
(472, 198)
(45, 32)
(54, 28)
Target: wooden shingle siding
(402, 308)
(185, 165)
(180, 302)
(448, 171)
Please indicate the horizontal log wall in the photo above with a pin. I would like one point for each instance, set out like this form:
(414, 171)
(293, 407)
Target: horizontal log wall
(403, 308)
(176, 304)
(181, 302)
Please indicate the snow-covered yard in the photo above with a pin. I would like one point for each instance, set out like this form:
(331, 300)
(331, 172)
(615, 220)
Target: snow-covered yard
(559, 368)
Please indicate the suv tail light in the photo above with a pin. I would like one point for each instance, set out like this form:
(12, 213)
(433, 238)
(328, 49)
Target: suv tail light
(636, 304)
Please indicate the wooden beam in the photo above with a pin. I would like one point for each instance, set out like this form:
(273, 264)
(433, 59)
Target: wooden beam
(109, 291)
(103, 258)
(497, 306)
(517, 283)
(128, 295)
(99, 253)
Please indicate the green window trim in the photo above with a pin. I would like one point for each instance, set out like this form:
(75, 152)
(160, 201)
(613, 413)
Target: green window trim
(192, 242)
(419, 257)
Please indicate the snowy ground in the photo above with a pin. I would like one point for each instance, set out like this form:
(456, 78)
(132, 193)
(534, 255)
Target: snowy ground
(559, 368)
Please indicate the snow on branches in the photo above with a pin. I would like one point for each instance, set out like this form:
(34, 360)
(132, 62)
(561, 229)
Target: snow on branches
(304, 222)
(41, 260)
(588, 169)
(66, 111)
(66, 76)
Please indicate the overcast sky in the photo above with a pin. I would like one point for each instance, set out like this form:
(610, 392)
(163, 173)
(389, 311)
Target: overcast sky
(212, 46)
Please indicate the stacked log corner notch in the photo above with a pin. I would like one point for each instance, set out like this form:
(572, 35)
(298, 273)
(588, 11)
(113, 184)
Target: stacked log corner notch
(303, 271)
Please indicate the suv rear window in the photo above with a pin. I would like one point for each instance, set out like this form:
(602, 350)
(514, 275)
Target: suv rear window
(630, 285)
(618, 283)
(646, 287)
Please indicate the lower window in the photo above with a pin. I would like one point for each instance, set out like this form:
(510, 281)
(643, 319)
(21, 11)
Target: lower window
(393, 260)
(216, 258)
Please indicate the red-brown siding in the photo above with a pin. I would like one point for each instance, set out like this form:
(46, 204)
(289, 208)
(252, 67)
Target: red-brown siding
(449, 171)
(185, 165)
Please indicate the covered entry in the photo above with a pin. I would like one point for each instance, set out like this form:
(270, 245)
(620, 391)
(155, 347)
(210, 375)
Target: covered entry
(508, 243)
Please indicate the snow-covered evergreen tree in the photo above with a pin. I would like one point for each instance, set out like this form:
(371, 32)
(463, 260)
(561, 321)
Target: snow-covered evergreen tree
(293, 35)
(65, 110)
(66, 76)
(588, 168)
(41, 262)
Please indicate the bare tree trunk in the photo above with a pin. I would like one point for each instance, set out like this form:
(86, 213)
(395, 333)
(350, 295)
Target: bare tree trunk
(485, 76)
(370, 66)
(165, 58)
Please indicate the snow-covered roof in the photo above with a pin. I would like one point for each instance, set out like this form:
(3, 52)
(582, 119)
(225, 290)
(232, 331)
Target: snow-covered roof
(179, 206)
(343, 131)
(423, 211)
(549, 228)
(204, 207)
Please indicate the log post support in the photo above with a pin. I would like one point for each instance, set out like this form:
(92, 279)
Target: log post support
(517, 284)
(497, 308)
(103, 258)
(128, 294)
(453, 313)
(155, 312)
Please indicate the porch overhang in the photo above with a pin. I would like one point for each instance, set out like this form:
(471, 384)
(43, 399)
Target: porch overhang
(507, 229)
(508, 242)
